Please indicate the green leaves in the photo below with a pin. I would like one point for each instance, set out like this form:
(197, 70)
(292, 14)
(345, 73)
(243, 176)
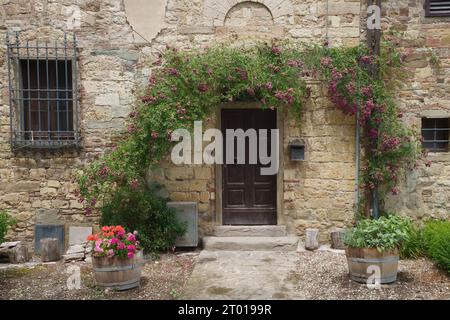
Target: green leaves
(5, 222)
(436, 235)
(189, 85)
(383, 234)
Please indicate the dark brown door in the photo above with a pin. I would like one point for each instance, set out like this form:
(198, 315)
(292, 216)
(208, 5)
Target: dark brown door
(249, 198)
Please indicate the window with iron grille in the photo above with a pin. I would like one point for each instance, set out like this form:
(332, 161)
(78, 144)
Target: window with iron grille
(437, 8)
(435, 134)
(43, 93)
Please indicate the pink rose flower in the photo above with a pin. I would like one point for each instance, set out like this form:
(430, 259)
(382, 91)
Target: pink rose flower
(131, 237)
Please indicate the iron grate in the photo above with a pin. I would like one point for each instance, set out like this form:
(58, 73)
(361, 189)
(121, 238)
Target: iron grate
(43, 92)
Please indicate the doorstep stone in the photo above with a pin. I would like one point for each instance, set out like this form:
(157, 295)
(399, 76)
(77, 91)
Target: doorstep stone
(250, 231)
(288, 243)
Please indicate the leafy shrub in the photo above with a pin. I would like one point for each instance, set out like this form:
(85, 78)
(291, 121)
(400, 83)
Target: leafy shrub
(147, 213)
(436, 235)
(383, 234)
(414, 246)
(5, 222)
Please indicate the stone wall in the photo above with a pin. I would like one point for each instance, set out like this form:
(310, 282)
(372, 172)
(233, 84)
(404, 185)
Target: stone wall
(426, 93)
(115, 59)
(37, 186)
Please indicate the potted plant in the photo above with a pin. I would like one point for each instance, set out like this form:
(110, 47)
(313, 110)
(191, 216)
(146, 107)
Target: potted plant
(372, 245)
(116, 258)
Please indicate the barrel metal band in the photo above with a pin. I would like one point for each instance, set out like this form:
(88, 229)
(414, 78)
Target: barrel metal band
(109, 269)
(379, 260)
(116, 284)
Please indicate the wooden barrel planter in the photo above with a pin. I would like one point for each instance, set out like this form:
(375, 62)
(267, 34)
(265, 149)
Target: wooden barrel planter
(118, 273)
(360, 259)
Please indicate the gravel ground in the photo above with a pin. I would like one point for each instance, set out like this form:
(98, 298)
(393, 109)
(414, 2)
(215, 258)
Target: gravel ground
(324, 275)
(310, 275)
(164, 278)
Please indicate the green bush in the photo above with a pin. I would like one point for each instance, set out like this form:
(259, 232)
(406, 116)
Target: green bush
(414, 246)
(5, 222)
(383, 234)
(436, 235)
(147, 213)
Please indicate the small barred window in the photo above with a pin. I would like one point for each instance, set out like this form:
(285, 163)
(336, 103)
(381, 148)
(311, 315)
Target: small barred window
(435, 134)
(437, 8)
(43, 93)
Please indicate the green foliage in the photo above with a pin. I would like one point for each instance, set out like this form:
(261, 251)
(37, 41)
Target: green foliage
(5, 222)
(436, 237)
(390, 146)
(383, 234)
(414, 247)
(147, 213)
(187, 87)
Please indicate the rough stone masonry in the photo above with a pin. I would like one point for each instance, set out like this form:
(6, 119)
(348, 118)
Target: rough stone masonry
(117, 43)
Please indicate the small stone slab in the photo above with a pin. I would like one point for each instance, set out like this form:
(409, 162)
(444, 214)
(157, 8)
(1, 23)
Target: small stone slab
(186, 212)
(9, 245)
(78, 235)
(43, 231)
(50, 250)
(14, 252)
(337, 239)
(77, 256)
(312, 239)
(326, 247)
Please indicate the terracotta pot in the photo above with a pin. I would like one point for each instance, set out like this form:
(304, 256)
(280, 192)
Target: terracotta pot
(360, 259)
(118, 273)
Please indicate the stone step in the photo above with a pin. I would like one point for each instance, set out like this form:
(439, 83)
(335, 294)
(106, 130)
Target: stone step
(250, 231)
(288, 243)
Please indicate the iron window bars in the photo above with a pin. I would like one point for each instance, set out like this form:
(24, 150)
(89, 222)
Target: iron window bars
(43, 95)
(435, 134)
(437, 8)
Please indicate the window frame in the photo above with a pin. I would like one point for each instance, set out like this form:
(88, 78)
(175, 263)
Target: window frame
(435, 130)
(20, 52)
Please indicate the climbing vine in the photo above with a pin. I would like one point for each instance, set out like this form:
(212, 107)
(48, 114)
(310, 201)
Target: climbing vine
(188, 85)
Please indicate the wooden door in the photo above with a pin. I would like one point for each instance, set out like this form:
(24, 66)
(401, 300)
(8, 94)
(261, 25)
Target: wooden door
(249, 198)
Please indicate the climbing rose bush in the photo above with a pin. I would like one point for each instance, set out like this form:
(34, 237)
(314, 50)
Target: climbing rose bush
(186, 86)
(113, 241)
(390, 147)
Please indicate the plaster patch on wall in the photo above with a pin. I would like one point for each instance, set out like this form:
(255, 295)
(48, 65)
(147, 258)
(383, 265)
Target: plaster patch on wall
(146, 17)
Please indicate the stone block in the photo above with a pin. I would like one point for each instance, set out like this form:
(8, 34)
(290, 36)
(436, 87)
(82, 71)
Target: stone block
(14, 252)
(75, 204)
(337, 238)
(187, 212)
(20, 186)
(312, 239)
(108, 99)
(78, 235)
(53, 184)
(342, 8)
(48, 192)
(202, 173)
(49, 249)
(179, 173)
(48, 232)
